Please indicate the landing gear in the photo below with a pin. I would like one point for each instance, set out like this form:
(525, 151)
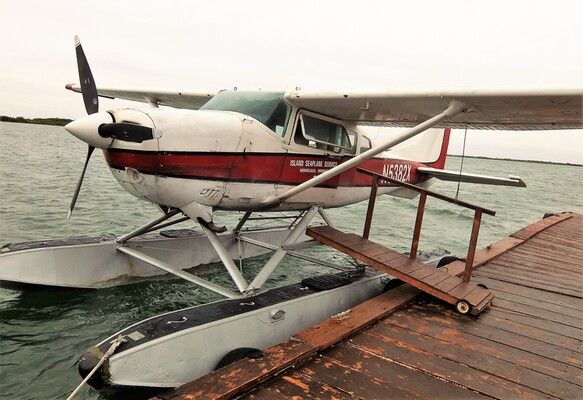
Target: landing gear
(463, 307)
(244, 289)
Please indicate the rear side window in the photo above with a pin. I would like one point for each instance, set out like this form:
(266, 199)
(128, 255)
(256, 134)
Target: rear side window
(365, 144)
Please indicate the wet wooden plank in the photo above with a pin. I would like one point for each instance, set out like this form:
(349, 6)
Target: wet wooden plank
(477, 295)
(539, 313)
(537, 265)
(522, 339)
(511, 364)
(376, 377)
(242, 375)
(264, 393)
(559, 309)
(528, 293)
(466, 348)
(443, 368)
(536, 322)
(509, 276)
(535, 275)
(296, 385)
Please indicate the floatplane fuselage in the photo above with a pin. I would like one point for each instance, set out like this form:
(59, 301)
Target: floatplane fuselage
(244, 147)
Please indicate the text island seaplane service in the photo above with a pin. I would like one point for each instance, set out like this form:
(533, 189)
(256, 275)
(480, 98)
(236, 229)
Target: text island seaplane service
(255, 152)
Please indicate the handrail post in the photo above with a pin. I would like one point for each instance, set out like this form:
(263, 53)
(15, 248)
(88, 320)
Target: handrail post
(472, 246)
(418, 223)
(370, 209)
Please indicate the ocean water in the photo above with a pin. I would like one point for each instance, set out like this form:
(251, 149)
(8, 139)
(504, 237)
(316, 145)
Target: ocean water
(44, 332)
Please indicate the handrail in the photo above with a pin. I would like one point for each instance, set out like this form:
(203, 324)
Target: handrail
(478, 211)
(429, 192)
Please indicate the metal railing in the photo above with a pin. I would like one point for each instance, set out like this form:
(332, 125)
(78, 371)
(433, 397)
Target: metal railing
(478, 211)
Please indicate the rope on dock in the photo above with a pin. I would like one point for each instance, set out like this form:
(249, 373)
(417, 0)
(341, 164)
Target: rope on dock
(114, 345)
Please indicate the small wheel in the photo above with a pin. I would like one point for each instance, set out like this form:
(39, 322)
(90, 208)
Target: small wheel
(462, 307)
(238, 354)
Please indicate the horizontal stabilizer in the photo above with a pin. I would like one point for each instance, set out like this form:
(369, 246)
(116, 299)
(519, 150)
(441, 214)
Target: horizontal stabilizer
(456, 176)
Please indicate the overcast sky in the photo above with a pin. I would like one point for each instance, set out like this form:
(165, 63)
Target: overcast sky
(392, 45)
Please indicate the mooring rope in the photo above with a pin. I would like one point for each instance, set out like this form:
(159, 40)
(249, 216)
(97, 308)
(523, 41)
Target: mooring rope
(462, 162)
(114, 345)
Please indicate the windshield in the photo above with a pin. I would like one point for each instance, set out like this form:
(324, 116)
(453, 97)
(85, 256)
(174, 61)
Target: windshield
(269, 108)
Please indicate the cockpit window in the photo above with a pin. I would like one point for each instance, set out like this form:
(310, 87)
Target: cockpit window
(269, 108)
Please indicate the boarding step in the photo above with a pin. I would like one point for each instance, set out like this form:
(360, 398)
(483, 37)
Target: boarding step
(434, 281)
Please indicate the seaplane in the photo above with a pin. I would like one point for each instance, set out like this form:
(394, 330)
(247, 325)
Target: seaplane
(193, 153)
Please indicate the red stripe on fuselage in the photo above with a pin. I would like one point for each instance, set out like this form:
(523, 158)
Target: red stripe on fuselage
(279, 168)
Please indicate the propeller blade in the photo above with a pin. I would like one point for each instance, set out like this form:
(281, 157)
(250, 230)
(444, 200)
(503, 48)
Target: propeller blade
(126, 132)
(88, 88)
(78, 188)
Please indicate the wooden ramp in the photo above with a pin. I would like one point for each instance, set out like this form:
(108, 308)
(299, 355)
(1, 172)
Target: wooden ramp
(437, 282)
(400, 345)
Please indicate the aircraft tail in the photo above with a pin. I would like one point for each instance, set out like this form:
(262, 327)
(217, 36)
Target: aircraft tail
(440, 163)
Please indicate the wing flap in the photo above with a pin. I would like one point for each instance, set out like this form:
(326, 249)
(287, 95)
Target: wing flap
(500, 110)
(455, 176)
(176, 99)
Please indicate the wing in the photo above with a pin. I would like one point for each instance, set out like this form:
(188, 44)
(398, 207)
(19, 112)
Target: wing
(456, 176)
(189, 100)
(501, 110)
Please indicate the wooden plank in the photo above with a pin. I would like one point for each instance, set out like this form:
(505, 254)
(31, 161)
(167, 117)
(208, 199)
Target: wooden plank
(437, 277)
(522, 339)
(467, 346)
(242, 375)
(509, 276)
(264, 393)
(452, 371)
(333, 330)
(296, 385)
(461, 290)
(386, 375)
(539, 313)
(494, 320)
(482, 305)
(534, 263)
(388, 256)
(558, 309)
(449, 283)
(539, 226)
(530, 294)
(476, 296)
(536, 322)
(503, 361)
(356, 384)
(535, 274)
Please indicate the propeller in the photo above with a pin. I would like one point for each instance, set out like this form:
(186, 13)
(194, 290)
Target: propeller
(90, 98)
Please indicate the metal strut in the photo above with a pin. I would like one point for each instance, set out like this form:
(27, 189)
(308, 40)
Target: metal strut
(280, 253)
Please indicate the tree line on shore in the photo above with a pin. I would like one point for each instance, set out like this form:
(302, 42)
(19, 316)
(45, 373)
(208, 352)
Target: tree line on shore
(39, 121)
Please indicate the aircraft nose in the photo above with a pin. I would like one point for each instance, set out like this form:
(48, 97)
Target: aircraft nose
(86, 129)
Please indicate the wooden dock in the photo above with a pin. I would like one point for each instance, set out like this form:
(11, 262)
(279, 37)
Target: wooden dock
(404, 344)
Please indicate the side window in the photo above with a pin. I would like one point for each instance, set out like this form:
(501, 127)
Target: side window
(365, 144)
(322, 134)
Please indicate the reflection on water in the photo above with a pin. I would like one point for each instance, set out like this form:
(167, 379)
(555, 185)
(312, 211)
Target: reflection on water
(43, 332)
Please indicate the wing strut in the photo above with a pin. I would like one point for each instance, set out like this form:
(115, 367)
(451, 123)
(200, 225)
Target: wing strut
(454, 108)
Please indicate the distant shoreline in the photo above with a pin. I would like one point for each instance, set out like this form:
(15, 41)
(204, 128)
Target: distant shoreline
(36, 121)
(514, 159)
